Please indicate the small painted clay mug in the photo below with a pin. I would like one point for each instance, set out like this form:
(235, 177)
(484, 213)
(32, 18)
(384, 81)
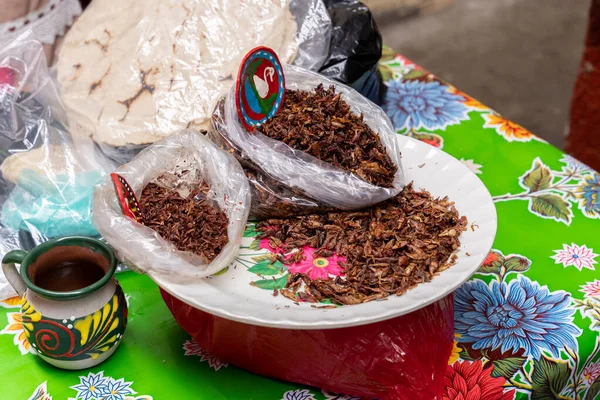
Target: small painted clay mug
(74, 311)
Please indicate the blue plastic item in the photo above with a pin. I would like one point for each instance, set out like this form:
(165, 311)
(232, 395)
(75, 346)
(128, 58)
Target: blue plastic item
(60, 207)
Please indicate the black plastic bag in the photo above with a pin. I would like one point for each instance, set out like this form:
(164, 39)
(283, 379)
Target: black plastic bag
(355, 47)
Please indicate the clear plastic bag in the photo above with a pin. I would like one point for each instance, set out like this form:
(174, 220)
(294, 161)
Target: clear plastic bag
(47, 172)
(135, 72)
(302, 174)
(141, 246)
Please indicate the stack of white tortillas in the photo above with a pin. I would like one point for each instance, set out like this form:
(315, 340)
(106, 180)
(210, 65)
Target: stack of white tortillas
(133, 72)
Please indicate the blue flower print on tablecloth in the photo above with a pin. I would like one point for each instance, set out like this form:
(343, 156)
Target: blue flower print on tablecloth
(588, 194)
(90, 387)
(116, 389)
(574, 164)
(520, 315)
(415, 105)
(298, 394)
(95, 386)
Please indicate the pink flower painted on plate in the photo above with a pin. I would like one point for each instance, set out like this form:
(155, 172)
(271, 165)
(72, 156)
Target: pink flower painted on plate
(590, 373)
(264, 244)
(591, 289)
(317, 267)
(579, 256)
(311, 266)
(193, 349)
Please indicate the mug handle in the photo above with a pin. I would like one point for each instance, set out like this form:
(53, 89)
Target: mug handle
(10, 270)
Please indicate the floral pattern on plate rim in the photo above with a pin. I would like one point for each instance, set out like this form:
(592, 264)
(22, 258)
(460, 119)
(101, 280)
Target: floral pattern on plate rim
(273, 274)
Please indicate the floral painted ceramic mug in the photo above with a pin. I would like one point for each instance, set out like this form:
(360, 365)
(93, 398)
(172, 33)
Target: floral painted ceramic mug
(74, 311)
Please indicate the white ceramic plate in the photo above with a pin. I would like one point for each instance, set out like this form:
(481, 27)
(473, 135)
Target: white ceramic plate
(231, 296)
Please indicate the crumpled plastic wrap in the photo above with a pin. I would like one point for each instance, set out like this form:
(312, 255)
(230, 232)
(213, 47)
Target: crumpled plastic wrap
(132, 73)
(293, 181)
(144, 249)
(47, 173)
(404, 358)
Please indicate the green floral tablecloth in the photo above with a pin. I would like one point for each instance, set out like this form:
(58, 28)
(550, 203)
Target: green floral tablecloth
(527, 325)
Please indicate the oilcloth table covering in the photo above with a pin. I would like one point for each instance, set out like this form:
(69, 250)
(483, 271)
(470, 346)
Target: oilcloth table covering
(527, 324)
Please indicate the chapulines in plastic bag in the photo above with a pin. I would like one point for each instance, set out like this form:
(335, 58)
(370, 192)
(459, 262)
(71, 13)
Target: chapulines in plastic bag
(289, 181)
(270, 198)
(186, 153)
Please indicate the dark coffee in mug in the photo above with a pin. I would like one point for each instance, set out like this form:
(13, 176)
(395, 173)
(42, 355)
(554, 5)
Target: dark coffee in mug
(74, 311)
(69, 275)
(68, 268)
